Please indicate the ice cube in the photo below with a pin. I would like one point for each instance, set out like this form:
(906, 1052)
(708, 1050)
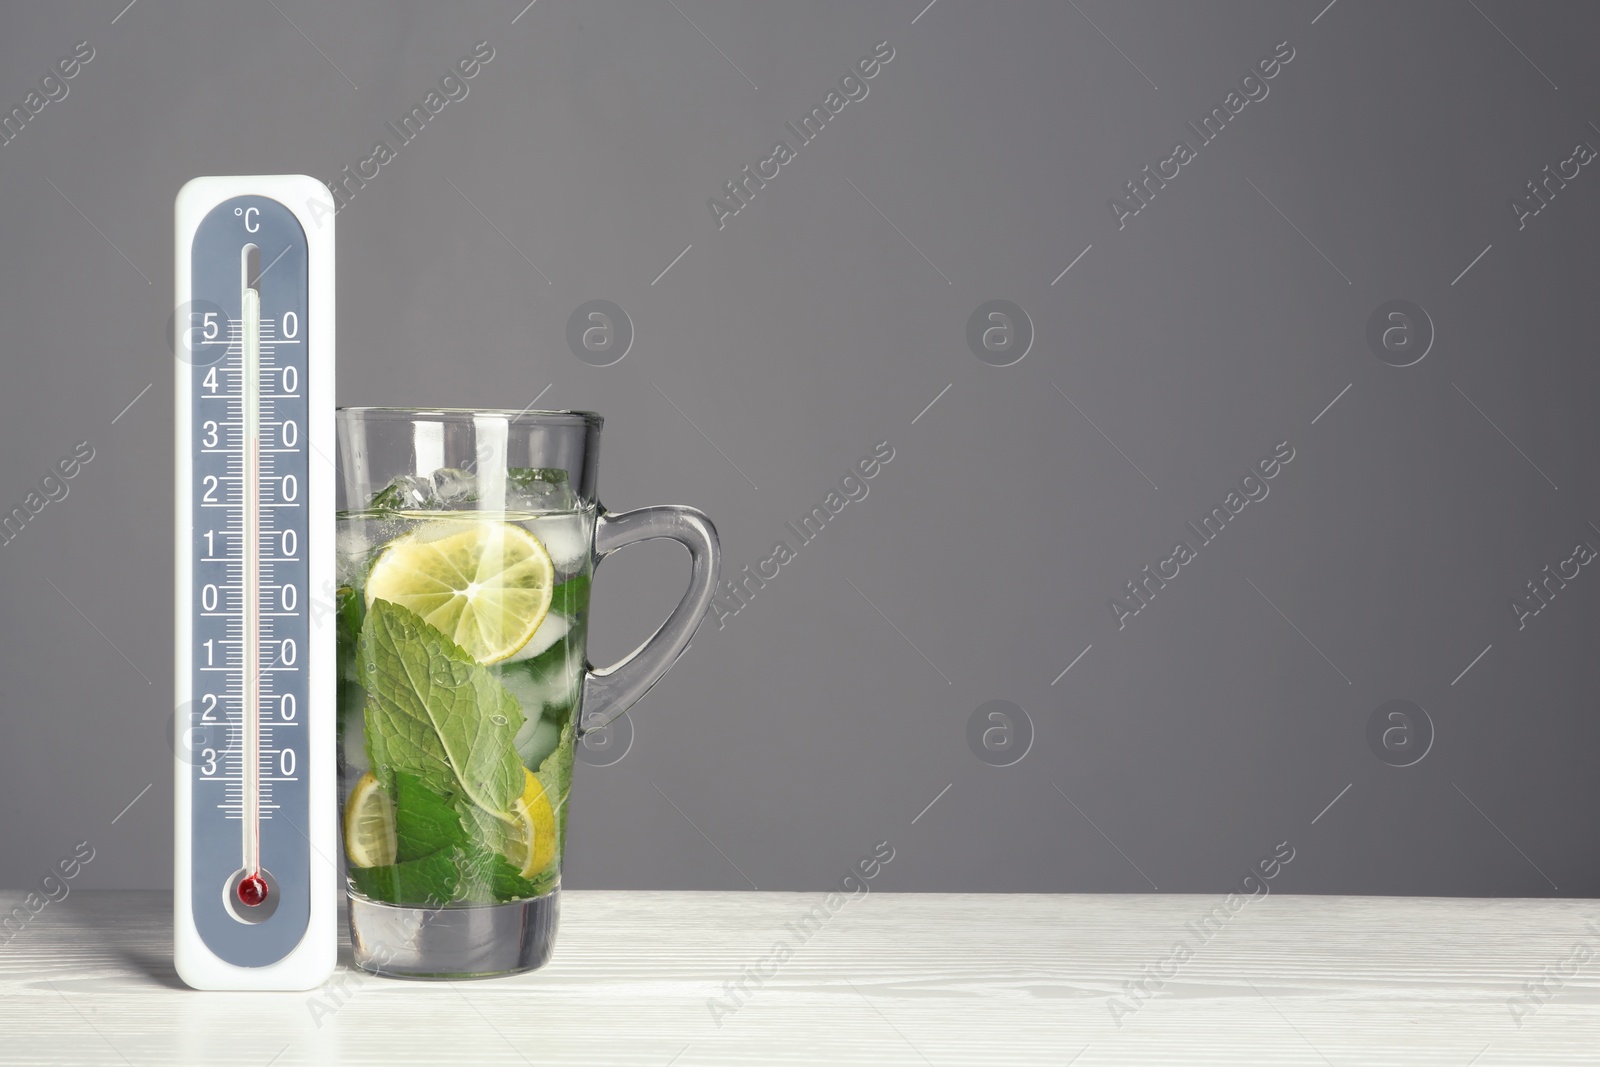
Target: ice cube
(521, 684)
(550, 689)
(407, 492)
(536, 740)
(350, 547)
(454, 487)
(352, 699)
(552, 629)
(566, 538)
(561, 696)
(537, 489)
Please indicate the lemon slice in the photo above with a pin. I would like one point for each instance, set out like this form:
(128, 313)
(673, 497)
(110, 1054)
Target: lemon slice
(532, 841)
(369, 839)
(486, 585)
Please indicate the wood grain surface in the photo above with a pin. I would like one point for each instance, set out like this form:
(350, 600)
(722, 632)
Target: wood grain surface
(650, 979)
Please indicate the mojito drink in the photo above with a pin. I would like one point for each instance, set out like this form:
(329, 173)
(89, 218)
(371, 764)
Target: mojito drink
(461, 665)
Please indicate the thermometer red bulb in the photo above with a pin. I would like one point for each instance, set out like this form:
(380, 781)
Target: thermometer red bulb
(253, 891)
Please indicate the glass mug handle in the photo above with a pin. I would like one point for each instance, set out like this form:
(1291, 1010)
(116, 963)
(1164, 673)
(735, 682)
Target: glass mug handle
(609, 692)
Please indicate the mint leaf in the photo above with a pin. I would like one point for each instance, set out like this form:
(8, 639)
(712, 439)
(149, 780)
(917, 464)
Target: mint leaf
(347, 629)
(434, 713)
(388, 498)
(430, 881)
(424, 821)
(377, 745)
(482, 832)
(477, 867)
(524, 477)
(454, 875)
(555, 774)
(487, 877)
(507, 885)
(350, 700)
(571, 596)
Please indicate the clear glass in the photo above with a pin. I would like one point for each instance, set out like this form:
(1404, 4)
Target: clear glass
(466, 543)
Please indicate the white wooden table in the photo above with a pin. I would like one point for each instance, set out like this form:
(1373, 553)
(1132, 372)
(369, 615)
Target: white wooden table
(888, 979)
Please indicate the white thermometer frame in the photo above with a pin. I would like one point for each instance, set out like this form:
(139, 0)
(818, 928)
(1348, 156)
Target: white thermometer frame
(312, 960)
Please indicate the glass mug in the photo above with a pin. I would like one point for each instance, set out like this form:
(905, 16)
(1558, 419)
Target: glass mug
(466, 542)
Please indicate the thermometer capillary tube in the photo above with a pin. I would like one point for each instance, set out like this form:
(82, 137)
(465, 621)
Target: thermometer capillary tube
(250, 579)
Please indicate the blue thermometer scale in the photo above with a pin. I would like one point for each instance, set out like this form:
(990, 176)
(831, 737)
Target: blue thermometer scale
(256, 873)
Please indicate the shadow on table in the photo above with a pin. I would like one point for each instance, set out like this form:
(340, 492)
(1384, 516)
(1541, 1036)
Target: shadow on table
(157, 967)
(112, 937)
(140, 949)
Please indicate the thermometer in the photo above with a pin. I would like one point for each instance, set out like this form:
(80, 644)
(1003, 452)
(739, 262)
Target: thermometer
(256, 873)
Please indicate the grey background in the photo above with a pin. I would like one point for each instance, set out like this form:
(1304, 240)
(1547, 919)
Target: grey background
(1175, 752)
